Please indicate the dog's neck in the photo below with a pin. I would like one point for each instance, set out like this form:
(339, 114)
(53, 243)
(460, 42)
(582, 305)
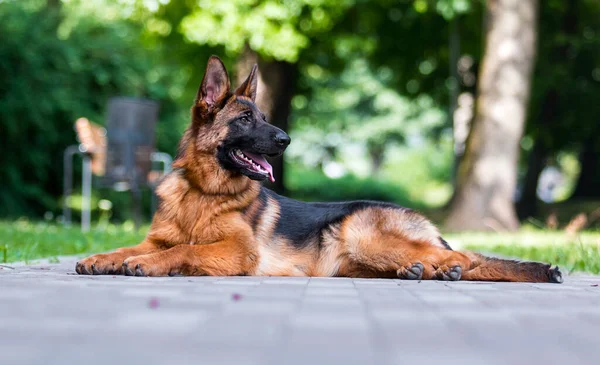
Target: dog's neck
(204, 173)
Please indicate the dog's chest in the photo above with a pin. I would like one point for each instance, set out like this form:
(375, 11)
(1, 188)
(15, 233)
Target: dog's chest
(199, 221)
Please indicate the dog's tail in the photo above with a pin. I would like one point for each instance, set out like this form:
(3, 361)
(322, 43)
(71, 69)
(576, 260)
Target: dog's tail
(485, 268)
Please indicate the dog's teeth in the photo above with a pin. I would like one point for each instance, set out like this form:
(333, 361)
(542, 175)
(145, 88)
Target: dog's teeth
(254, 165)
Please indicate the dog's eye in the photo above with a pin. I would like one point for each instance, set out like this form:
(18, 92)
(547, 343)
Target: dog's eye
(245, 119)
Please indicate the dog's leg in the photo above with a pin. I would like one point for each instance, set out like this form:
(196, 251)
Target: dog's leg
(422, 261)
(111, 263)
(411, 260)
(223, 258)
(398, 242)
(432, 263)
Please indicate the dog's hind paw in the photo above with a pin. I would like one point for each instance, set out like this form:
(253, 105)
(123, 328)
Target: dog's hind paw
(453, 273)
(555, 275)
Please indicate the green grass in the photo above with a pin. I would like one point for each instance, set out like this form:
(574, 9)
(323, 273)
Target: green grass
(23, 240)
(571, 253)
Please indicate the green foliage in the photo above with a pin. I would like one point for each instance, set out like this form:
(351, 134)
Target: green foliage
(416, 177)
(409, 39)
(314, 186)
(422, 171)
(372, 88)
(277, 29)
(121, 205)
(356, 120)
(359, 104)
(564, 108)
(49, 77)
(452, 8)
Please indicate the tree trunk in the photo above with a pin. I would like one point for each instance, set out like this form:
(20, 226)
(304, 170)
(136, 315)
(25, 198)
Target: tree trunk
(276, 85)
(377, 156)
(53, 10)
(454, 46)
(536, 161)
(528, 203)
(53, 3)
(487, 174)
(588, 184)
(551, 112)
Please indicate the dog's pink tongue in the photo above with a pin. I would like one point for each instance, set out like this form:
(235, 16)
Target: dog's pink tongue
(262, 162)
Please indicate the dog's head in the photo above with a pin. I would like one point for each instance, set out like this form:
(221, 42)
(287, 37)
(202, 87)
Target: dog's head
(230, 125)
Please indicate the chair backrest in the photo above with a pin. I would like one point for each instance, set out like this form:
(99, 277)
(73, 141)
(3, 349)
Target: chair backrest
(93, 141)
(130, 125)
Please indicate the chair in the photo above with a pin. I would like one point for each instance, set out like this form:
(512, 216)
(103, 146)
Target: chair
(121, 155)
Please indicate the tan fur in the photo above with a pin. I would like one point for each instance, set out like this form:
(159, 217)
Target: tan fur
(378, 240)
(331, 256)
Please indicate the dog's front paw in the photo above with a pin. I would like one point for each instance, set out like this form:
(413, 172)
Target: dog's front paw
(102, 264)
(140, 266)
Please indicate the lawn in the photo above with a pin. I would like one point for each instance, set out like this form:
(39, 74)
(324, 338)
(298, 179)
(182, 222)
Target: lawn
(24, 240)
(580, 252)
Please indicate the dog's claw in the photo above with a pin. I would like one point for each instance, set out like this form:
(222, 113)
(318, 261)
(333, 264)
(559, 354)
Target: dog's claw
(127, 270)
(555, 275)
(82, 269)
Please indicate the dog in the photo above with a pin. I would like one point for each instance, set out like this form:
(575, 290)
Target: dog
(215, 218)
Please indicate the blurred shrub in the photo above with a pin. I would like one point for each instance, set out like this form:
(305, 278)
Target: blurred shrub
(48, 78)
(121, 205)
(314, 186)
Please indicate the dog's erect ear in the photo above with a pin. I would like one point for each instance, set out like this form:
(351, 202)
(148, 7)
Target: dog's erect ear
(248, 87)
(215, 84)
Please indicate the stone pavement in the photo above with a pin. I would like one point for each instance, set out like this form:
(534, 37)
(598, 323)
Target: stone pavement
(50, 315)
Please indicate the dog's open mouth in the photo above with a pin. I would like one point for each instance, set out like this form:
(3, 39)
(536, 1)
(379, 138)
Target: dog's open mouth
(253, 162)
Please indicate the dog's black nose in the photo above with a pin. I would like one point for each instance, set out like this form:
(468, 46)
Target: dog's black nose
(281, 138)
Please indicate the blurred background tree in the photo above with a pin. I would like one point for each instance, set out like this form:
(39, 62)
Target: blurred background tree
(58, 64)
(487, 173)
(379, 96)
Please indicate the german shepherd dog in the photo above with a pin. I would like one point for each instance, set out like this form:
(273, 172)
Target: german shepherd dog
(215, 218)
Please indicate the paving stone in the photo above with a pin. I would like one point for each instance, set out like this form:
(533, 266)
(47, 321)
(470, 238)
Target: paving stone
(50, 315)
(331, 292)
